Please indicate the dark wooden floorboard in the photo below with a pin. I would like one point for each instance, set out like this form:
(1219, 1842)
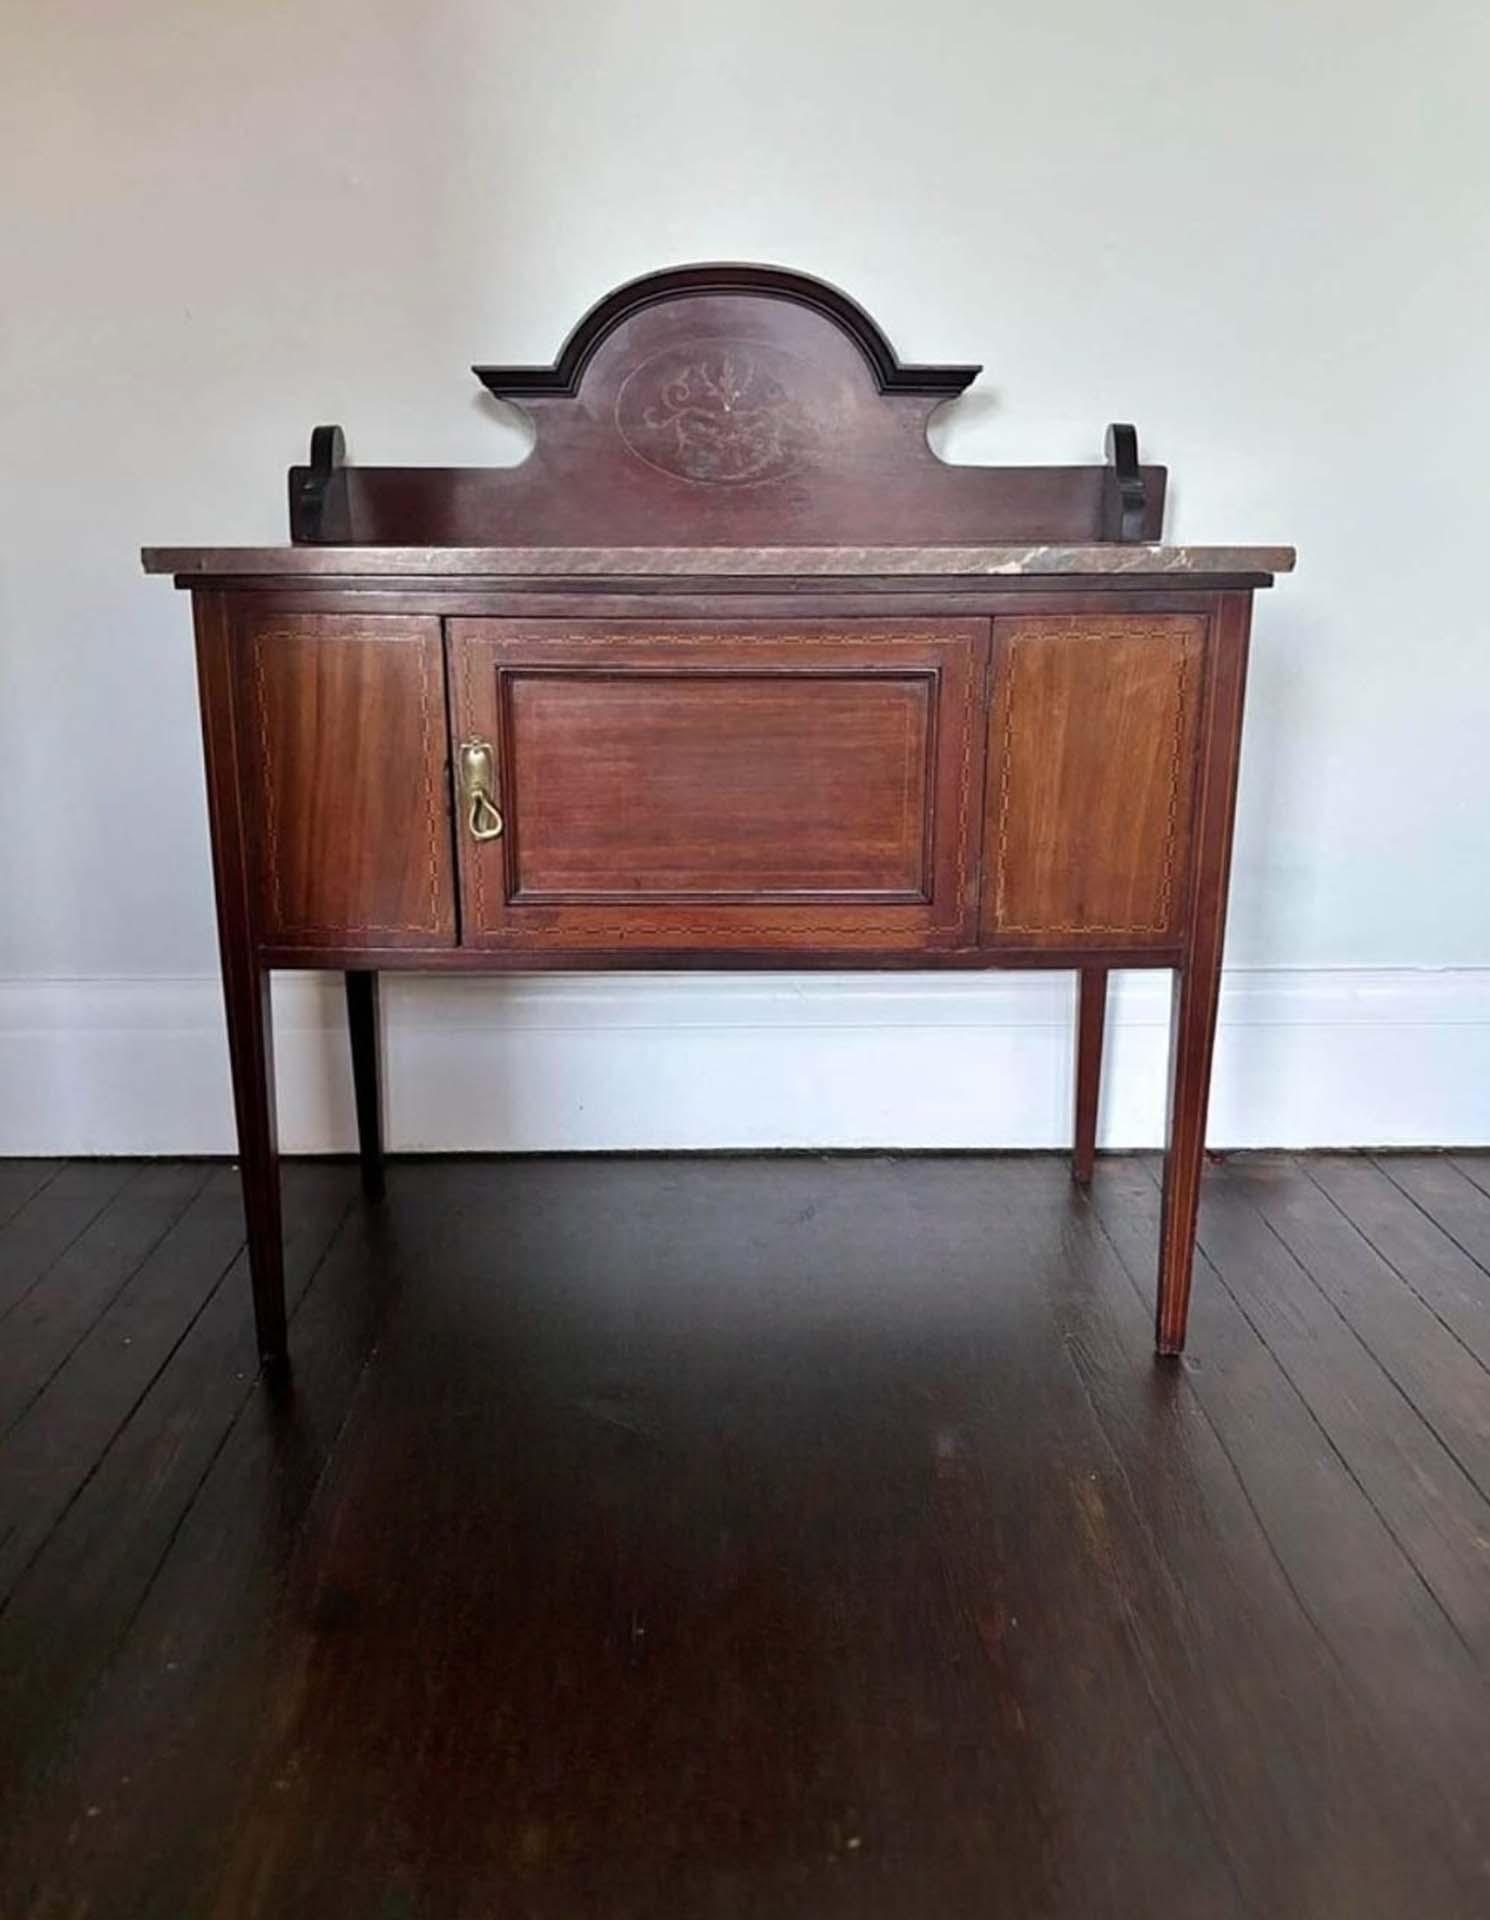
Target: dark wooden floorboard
(723, 1526)
(733, 1538)
(1440, 1247)
(47, 1224)
(1424, 1496)
(21, 1180)
(1224, 1638)
(56, 1445)
(44, 1330)
(1418, 1285)
(1424, 1359)
(75, 1594)
(1426, 1699)
(1475, 1167)
(171, 1717)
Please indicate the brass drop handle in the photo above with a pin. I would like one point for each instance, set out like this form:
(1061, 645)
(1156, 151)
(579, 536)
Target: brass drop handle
(476, 776)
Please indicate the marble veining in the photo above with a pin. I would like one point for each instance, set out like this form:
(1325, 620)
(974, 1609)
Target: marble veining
(507, 563)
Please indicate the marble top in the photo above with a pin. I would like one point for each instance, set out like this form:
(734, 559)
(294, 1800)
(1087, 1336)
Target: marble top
(508, 563)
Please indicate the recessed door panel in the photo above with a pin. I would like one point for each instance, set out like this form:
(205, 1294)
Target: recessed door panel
(765, 784)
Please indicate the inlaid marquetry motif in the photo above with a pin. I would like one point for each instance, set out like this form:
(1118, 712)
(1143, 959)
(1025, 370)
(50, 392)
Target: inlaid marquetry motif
(724, 413)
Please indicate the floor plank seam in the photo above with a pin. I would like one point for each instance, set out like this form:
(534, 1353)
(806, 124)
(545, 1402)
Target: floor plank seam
(373, 1349)
(253, 1387)
(1437, 1224)
(63, 1251)
(1215, 1268)
(1365, 1345)
(35, 1194)
(1457, 1163)
(1176, 1747)
(1387, 1261)
(953, 1592)
(106, 1305)
(113, 1440)
(1197, 1396)
(1483, 1492)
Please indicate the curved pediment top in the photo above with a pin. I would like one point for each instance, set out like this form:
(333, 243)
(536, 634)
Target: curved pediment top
(728, 278)
(724, 405)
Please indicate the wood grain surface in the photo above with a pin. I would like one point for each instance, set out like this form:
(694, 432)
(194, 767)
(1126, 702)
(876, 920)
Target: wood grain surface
(665, 1551)
(344, 747)
(1092, 735)
(764, 785)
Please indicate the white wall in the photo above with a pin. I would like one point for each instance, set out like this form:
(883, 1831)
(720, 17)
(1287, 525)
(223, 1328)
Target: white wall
(1260, 232)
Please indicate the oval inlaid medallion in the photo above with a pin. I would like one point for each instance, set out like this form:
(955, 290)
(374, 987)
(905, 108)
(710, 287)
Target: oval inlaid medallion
(722, 413)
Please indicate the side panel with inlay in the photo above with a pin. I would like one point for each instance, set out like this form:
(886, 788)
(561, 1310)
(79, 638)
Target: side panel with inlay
(1091, 779)
(343, 744)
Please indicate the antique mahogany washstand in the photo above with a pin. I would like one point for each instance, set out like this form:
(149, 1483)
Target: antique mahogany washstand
(731, 672)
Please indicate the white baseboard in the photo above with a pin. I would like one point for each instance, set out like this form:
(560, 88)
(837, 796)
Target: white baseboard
(1305, 1058)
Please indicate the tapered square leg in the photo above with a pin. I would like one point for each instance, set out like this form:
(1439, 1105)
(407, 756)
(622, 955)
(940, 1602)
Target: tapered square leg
(1197, 996)
(251, 1046)
(1191, 1046)
(365, 1023)
(245, 982)
(1091, 1020)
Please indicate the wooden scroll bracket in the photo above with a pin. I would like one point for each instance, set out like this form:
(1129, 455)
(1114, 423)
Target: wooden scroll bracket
(1126, 506)
(319, 507)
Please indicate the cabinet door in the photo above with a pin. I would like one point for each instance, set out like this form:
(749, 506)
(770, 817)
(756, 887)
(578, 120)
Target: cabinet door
(343, 751)
(1093, 726)
(765, 785)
